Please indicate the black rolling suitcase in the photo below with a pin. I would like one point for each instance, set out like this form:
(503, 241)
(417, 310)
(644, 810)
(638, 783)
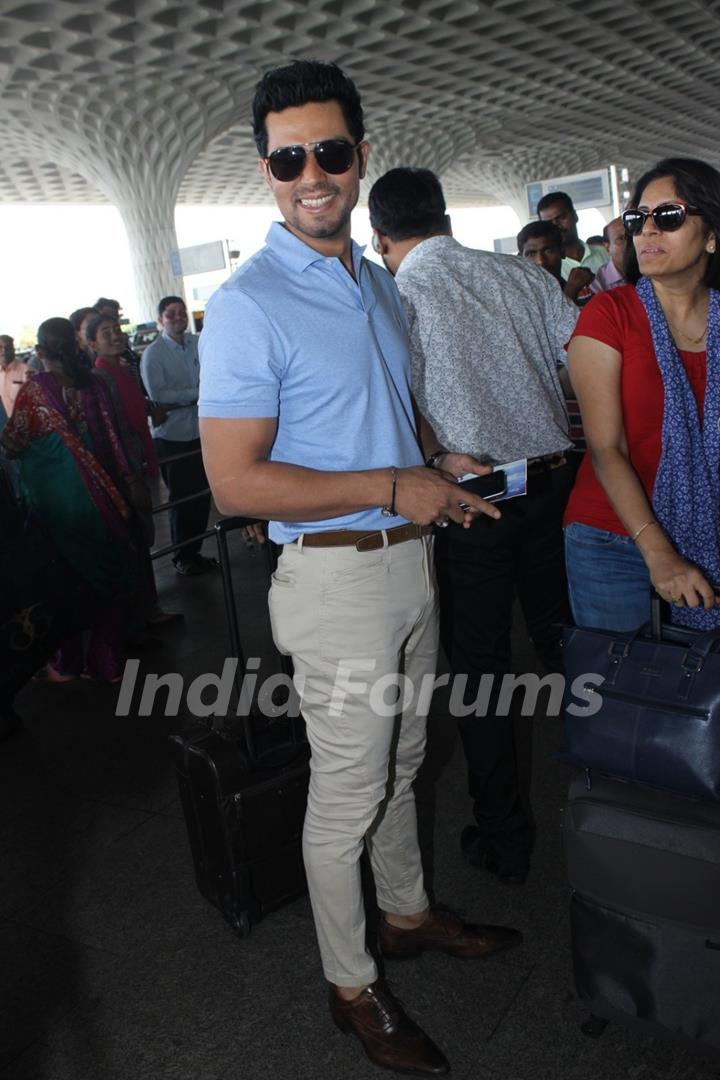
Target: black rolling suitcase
(243, 790)
(644, 867)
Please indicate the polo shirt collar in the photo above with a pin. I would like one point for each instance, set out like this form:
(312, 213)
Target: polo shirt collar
(297, 255)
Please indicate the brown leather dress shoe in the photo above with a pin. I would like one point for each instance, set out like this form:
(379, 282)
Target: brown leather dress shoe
(389, 1037)
(446, 932)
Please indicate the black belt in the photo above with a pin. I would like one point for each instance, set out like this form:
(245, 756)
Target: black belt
(546, 462)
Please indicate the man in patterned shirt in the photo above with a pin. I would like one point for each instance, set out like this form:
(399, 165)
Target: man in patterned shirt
(487, 333)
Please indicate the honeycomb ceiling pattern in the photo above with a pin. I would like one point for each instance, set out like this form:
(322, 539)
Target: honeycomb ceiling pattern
(105, 100)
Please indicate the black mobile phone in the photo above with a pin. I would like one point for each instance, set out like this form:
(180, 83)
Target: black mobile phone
(490, 486)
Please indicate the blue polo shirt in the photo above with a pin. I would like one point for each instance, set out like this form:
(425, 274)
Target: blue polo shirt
(291, 335)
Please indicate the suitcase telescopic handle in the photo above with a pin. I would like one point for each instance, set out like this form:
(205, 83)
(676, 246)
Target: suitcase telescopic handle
(229, 524)
(270, 553)
(222, 528)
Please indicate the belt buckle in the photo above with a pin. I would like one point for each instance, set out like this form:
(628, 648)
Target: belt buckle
(371, 542)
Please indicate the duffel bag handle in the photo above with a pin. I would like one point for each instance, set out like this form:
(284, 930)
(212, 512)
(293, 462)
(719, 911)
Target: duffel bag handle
(696, 656)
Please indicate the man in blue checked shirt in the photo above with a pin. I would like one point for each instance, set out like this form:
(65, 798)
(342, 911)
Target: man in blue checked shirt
(171, 374)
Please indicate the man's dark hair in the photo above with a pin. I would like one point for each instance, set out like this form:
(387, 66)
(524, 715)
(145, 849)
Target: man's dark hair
(555, 197)
(96, 322)
(76, 318)
(598, 240)
(535, 230)
(299, 83)
(105, 301)
(167, 301)
(697, 184)
(407, 202)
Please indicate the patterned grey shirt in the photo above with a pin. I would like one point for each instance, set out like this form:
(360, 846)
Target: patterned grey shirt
(487, 332)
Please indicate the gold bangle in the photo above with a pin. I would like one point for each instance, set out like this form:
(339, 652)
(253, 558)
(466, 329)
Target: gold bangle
(652, 521)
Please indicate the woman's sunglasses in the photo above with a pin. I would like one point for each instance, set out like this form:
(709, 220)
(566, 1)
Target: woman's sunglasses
(668, 217)
(334, 156)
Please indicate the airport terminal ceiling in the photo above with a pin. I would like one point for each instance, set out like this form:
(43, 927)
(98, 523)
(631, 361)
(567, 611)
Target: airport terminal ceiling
(128, 95)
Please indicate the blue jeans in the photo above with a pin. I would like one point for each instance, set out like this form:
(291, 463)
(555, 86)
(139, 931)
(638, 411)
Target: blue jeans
(608, 580)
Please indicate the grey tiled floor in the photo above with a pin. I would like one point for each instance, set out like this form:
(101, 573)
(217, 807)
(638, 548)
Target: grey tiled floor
(112, 967)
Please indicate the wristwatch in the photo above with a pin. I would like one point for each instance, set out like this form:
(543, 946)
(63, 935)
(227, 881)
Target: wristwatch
(432, 461)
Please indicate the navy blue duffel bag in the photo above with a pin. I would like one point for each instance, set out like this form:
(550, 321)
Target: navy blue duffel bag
(645, 706)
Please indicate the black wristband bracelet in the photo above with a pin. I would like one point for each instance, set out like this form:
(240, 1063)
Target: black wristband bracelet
(390, 511)
(432, 461)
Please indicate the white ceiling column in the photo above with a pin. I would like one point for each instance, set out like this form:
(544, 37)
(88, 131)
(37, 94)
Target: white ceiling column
(149, 217)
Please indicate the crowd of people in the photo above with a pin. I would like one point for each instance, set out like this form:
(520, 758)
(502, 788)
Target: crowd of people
(341, 404)
(81, 437)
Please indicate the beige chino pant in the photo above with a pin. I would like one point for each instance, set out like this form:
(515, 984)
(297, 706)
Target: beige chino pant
(355, 623)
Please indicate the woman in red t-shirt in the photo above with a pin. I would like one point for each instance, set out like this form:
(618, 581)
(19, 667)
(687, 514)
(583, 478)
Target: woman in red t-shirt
(645, 363)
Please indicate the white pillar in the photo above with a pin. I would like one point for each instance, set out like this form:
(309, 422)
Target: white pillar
(149, 218)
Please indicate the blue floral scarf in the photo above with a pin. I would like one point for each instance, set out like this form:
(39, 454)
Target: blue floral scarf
(686, 499)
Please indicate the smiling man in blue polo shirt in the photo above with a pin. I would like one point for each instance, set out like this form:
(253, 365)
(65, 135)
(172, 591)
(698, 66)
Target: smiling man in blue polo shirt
(307, 419)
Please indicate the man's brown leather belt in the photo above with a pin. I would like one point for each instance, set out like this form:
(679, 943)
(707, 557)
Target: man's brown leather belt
(366, 541)
(547, 461)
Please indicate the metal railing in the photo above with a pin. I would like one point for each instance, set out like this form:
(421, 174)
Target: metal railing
(160, 508)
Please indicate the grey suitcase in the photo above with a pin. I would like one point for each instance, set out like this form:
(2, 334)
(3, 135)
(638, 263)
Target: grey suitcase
(644, 868)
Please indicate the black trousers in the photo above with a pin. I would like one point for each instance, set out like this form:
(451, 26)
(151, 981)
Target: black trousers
(478, 571)
(182, 478)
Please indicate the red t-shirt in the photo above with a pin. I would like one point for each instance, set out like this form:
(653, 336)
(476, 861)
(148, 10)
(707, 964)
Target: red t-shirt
(618, 319)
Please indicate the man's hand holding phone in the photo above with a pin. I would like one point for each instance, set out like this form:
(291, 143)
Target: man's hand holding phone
(430, 496)
(489, 486)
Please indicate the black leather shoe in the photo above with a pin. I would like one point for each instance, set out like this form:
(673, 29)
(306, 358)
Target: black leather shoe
(473, 846)
(510, 871)
(387, 1034)
(508, 875)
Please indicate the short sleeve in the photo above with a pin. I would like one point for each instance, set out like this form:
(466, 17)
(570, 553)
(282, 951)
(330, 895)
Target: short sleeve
(241, 360)
(600, 320)
(561, 318)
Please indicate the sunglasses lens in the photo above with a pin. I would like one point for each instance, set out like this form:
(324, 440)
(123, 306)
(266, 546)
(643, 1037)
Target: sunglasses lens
(669, 218)
(287, 163)
(633, 221)
(334, 156)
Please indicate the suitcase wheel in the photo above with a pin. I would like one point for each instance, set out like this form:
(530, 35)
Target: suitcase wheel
(241, 924)
(594, 1026)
